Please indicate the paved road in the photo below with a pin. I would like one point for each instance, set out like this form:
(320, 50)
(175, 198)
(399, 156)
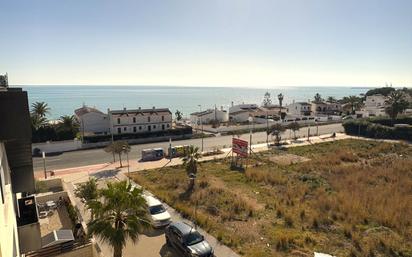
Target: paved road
(97, 156)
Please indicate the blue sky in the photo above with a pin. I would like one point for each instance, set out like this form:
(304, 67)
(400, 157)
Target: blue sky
(256, 43)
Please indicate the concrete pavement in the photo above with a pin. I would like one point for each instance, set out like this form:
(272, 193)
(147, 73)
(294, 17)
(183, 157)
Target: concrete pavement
(98, 156)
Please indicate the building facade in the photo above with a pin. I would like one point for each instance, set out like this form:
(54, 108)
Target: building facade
(209, 116)
(326, 108)
(299, 109)
(92, 121)
(132, 121)
(374, 106)
(19, 226)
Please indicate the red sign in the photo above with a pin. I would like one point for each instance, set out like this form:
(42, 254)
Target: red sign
(240, 147)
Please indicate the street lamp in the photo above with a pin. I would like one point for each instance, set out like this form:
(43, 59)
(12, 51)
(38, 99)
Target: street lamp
(127, 158)
(250, 119)
(201, 124)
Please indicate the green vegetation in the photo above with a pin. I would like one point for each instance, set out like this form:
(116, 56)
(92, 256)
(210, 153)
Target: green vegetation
(42, 130)
(190, 162)
(396, 103)
(352, 198)
(119, 214)
(379, 128)
(276, 130)
(179, 115)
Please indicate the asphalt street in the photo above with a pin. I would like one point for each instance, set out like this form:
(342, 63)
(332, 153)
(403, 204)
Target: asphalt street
(97, 156)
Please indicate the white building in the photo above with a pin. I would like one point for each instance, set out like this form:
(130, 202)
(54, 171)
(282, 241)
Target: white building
(140, 120)
(92, 121)
(374, 106)
(9, 241)
(208, 116)
(242, 112)
(326, 108)
(299, 109)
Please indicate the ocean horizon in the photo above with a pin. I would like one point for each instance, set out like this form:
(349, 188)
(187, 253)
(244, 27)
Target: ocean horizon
(64, 99)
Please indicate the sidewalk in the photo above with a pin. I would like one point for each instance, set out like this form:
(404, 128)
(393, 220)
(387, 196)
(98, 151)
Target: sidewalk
(136, 166)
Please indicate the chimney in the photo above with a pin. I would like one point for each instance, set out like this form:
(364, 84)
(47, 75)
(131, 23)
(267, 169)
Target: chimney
(232, 103)
(140, 108)
(124, 108)
(154, 107)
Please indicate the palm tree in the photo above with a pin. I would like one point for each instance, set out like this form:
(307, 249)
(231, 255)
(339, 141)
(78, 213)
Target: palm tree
(121, 214)
(69, 123)
(318, 98)
(276, 130)
(396, 103)
(355, 102)
(190, 162)
(40, 109)
(119, 148)
(88, 192)
(294, 126)
(38, 121)
(331, 99)
(179, 115)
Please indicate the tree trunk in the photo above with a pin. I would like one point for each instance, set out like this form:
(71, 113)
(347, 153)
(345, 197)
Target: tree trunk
(120, 159)
(117, 251)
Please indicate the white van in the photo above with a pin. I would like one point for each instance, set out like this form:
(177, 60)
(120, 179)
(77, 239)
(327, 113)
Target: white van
(160, 217)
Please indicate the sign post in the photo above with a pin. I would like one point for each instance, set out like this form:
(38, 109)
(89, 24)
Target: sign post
(241, 149)
(44, 164)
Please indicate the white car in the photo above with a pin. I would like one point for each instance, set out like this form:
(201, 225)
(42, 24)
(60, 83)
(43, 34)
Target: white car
(159, 215)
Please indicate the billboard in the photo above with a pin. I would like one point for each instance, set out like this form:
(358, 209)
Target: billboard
(240, 147)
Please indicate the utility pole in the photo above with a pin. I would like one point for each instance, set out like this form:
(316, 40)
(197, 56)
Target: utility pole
(44, 165)
(201, 124)
(128, 166)
(111, 132)
(250, 119)
(267, 129)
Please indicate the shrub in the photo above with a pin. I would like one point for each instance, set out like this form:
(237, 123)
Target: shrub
(371, 129)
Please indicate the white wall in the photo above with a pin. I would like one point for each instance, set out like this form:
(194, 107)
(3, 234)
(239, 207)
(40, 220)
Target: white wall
(94, 122)
(58, 146)
(9, 242)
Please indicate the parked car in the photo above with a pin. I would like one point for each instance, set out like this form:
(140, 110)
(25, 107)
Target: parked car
(177, 151)
(187, 240)
(159, 216)
(152, 154)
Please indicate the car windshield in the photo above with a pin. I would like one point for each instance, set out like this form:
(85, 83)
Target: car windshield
(156, 209)
(193, 238)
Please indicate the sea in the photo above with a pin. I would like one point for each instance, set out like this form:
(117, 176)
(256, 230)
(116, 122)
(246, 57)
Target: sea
(63, 100)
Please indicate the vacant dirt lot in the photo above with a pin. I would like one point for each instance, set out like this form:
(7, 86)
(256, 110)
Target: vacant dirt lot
(348, 198)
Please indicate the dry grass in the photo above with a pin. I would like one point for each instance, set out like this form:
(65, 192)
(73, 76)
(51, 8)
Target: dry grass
(353, 198)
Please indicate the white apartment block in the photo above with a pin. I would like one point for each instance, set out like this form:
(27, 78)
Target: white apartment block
(129, 121)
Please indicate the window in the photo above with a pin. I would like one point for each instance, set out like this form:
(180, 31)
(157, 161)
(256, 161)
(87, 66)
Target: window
(124, 129)
(154, 126)
(148, 119)
(163, 118)
(149, 128)
(134, 119)
(118, 120)
(163, 126)
(168, 125)
(140, 127)
(134, 129)
(119, 130)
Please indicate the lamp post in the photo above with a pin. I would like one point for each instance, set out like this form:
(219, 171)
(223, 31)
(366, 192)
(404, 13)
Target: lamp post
(201, 124)
(111, 131)
(250, 119)
(127, 158)
(44, 165)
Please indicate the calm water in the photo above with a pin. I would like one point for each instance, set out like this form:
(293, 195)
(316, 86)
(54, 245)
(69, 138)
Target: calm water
(65, 99)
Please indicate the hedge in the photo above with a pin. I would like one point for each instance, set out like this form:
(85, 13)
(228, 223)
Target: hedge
(367, 128)
(386, 121)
